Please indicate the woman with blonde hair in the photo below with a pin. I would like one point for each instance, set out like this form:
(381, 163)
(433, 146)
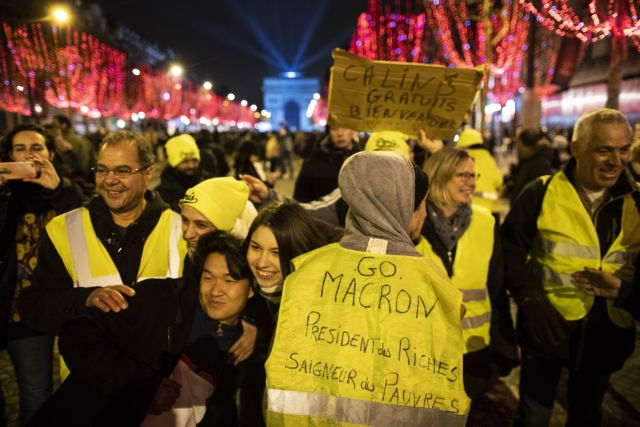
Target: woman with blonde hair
(461, 237)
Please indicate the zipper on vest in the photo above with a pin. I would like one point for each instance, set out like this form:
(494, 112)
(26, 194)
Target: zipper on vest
(595, 224)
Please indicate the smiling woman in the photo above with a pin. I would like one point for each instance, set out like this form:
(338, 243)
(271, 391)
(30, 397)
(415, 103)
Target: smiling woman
(279, 233)
(461, 237)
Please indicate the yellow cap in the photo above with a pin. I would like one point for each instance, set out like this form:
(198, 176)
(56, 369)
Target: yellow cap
(220, 200)
(180, 148)
(388, 141)
(469, 137)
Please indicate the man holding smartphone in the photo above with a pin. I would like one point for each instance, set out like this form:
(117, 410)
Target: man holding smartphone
(27, 202)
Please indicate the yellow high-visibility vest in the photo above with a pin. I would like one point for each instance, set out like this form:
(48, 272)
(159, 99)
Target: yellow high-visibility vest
(489, 184)
(88, 262)
(567, 241)
(470, 273)
(366, 339)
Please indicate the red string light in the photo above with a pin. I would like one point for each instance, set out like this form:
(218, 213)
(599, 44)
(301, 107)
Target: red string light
(557, 16)
(70, 69)
(396, 37)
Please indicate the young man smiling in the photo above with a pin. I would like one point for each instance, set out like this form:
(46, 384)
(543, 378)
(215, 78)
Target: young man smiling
(165, 359)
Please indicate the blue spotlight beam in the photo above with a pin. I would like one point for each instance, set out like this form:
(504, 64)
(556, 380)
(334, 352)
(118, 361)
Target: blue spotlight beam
(320, 53)
(256, 28)
(205, 28)
(309, 31)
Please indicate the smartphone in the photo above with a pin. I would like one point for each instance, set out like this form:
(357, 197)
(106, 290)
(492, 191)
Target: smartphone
(19, 170)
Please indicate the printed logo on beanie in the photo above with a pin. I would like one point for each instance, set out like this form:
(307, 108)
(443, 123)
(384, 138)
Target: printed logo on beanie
(189, 198)
(188, 155)
(386, 144)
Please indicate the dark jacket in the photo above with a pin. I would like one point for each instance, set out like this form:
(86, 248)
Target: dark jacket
(19, 201)
(117, 360)
(526, 171)
(595, 343)
(217, 157)
(173, 185)
(247, 168)
(501, 355)
(52, 299)
(319, 173)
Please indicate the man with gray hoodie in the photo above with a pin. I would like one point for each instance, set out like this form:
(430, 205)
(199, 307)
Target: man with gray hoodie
(369, 330)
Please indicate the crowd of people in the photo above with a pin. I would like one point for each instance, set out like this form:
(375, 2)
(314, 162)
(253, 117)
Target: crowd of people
(212, 300)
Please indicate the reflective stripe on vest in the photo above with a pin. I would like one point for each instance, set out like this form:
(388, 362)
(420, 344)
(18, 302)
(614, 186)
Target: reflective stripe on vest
(286, 403)
(469, 295)
(378, 341)
(470, 273)
(88, 262)
(567, 241)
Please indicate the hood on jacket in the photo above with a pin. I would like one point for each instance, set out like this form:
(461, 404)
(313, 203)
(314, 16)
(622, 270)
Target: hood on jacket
(378, 186)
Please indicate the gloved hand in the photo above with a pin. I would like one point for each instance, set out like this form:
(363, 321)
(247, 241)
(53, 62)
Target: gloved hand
(541, 321)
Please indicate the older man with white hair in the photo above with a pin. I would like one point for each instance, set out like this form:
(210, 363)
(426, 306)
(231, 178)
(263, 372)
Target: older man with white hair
(583, 218)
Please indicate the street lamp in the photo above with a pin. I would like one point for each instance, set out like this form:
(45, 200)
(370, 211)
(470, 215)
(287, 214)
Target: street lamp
(176, 70)
(231, 97)
(207, 85)
(60, 14)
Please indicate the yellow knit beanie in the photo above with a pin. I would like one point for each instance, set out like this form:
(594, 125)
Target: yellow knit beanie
(469, 137)
(388, 141)
(180, 148)
(220, 200)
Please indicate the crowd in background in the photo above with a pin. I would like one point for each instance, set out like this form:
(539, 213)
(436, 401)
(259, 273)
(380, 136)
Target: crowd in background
(242, 168)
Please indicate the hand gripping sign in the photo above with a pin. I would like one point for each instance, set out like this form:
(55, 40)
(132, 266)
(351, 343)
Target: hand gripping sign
(382, 95)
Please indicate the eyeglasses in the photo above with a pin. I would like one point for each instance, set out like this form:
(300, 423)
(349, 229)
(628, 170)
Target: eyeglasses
(466, 176)
(120, 172)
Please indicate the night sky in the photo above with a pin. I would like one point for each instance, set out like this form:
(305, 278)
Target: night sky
(236, 43)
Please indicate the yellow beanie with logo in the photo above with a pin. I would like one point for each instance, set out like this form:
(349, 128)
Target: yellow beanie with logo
(180, 148)
(220, 200)
(388, 141)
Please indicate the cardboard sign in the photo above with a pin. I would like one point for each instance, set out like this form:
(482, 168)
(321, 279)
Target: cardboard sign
(381, 95)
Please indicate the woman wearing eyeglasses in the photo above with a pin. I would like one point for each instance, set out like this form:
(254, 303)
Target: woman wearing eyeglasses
(461, 237)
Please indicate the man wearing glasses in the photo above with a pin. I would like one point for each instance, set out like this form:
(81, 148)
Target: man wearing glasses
(91, 256)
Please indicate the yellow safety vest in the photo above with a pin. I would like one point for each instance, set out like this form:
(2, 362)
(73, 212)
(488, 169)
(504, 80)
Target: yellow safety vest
(366, 339)
(470, 272)
(567, 242)
(88, 262)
